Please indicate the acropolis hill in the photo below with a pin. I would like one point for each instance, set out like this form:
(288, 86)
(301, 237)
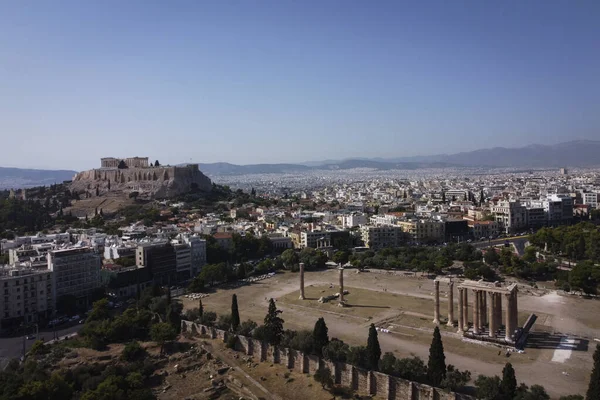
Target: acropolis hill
(135, 174)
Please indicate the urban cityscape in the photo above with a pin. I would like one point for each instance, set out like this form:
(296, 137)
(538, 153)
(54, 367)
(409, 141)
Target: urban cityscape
(299, 200)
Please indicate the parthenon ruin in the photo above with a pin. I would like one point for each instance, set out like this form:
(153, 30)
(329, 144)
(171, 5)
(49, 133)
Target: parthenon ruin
(487, 308)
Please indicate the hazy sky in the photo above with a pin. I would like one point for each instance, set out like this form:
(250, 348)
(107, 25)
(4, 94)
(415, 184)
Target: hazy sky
(281, 81)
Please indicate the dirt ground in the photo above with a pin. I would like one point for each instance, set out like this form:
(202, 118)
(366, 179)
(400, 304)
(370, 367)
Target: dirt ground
(109, 203)
(404, 305)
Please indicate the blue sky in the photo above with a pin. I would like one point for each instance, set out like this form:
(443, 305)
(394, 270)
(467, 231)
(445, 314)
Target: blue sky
(281, 81)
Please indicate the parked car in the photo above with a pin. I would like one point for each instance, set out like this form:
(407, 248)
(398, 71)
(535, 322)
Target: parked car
(30, 337)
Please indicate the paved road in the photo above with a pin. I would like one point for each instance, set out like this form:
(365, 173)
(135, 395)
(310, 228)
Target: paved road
(12, 347)
(517, 241)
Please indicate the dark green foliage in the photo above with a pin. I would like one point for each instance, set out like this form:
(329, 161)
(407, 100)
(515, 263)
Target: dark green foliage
(312, 259)
(488, 388)
(455, 379)
(246, 328)
(162, 333)
(299, 340)
(336, 351)
(491, 257)
(224, 322)
(133, 352)
(323, 376)
(508, 385)
(208, 318)
(436, 366)
(320, 336)
(373, 349)
(290, 258)
(273, 324)
(415, 257)
(593, 391)
(535, 392)
(571, 397)
(358, 356)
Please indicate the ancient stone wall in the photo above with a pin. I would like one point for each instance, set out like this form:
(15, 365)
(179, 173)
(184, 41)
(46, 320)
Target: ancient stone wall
(367, 382)
(158, 182)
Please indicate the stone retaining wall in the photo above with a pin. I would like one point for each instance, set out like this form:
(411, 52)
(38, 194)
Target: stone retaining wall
(367, 382)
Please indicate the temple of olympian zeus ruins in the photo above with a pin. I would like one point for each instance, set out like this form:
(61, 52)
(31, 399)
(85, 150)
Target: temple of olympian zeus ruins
(341, 297)
(487, 308)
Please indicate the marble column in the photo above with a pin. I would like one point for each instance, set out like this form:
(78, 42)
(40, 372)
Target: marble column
(515, 311)
(509, 317)
(492, 315)
(341, 284)
(498, 299)
(476, 311)
(451, 304)
(484, 318)
(301, 281)
(465, 310)
(461, 317)
(436, 307)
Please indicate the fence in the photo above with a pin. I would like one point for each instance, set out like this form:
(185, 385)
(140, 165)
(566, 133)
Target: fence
(361, 380)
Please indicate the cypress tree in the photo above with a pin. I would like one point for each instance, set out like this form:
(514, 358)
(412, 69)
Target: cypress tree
(444, 197)
(436, 366)
(320, 336)
(273, 324)
(373, 349)
(508, 385)
(593, 391)
(200, 309)
(235, 314)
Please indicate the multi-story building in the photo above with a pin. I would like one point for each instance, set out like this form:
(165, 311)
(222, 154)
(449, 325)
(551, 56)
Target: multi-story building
(590, 199)
(354, 219)
(315, 239)
(75, 272)
(484, 229)
(27, 296)
(421, 230)
(160, 259)
(559, 209)
(183, 261)
(511, 215)
(377, 237)
(198, 253)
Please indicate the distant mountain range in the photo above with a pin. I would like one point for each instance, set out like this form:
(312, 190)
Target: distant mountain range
(578, 153)
(13, 178)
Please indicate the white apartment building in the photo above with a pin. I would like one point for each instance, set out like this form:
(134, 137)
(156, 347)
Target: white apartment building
(27, 296)
(377, 237)
(510, 215)
(385, 219)
(76, 272)
(559, 208)
(590, 199)
(354, 219)
(315, 239)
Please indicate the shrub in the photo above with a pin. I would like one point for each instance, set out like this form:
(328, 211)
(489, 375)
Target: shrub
(133, 351)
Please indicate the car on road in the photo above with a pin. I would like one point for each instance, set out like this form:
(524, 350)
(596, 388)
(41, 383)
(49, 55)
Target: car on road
(30, 337)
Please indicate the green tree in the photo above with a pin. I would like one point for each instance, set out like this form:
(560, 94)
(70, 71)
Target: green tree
(273, 324)
(491, 257)
(132, 352)
(436, 366)
(388, 363)
(323, 376)
(290, 258)
(455, 379)
(487, 388)
(508, 385)
(235, 314)
(320, 336)
(99, 311)
(162, 333)
(341, 257)
(200, 309)
(593, 391)
(373, 349)
(336, 351)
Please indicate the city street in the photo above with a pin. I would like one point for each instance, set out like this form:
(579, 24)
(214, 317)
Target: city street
(517, 241)
(12, 347)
